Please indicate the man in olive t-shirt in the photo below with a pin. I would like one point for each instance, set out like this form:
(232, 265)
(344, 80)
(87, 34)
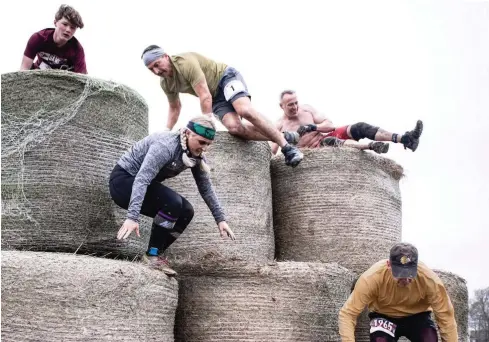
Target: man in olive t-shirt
(221, 90)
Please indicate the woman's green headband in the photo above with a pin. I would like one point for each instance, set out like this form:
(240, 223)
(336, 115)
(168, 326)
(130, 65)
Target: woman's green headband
(205, 132)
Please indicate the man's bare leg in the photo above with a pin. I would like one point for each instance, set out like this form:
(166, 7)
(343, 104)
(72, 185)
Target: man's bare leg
(377, 146)
(247, 131)
(362, 130)
(261, 129)
(245, 110)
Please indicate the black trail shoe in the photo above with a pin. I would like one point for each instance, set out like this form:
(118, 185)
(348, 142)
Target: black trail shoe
(411, 138)
(292, 155)
(379, 147)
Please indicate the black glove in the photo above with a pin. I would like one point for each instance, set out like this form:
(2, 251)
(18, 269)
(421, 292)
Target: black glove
(306, 129)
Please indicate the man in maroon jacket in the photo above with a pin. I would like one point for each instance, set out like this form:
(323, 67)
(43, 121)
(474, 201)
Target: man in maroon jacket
(57, 48)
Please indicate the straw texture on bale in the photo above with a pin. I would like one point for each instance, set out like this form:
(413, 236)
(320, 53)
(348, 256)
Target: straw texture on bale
(457, 290)
(339, 205)
(62, 134)
(239, 301)
(240, 174)
(65, 297)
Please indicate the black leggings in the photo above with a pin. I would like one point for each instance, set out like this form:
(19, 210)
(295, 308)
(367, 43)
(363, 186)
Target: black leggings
(158, 198)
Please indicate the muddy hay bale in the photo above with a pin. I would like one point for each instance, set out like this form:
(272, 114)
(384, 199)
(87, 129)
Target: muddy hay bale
(65, 297)
(240, 173)
(339, 205)
(62, 134)
(240, 301)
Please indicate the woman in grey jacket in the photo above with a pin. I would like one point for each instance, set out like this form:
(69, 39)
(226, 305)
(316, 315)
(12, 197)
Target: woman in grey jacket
(135, 185)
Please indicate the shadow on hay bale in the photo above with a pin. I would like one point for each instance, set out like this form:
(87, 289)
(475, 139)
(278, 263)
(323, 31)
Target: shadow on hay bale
(241, 301)
(62, 134)
(339, 205)
(64, 297)
(241, 178)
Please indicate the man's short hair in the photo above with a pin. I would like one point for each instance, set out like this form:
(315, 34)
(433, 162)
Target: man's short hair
(286, 92)
(70, 14)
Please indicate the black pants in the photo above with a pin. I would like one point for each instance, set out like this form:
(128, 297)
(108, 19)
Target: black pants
(417, 328)
(158, 198)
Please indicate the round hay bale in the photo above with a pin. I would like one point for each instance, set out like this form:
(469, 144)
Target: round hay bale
(241, 178)
(457, 290)
(339, 205)
(62, 134)
(239, 301)
(65, 297)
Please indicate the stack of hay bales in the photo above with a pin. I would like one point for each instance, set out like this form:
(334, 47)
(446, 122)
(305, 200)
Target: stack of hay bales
(62, 134)
(303, 234)
(339, 205)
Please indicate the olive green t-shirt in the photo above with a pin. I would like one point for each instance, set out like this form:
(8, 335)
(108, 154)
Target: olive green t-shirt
(190, 68)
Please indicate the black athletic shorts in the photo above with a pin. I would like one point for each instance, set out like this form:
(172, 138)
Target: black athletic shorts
(412, 327)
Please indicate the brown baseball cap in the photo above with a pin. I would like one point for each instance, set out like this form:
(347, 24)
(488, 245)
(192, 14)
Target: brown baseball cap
(404, 260)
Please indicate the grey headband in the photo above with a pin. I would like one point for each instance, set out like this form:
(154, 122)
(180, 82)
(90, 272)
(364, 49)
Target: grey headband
(152, 55)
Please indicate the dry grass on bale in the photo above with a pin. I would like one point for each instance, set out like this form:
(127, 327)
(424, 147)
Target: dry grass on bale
(457, 290)
(241, 178)
(339, 205)
(230, 300)
(62, 134)
(63, 297)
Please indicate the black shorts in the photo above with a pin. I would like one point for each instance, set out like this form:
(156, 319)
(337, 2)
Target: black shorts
(232, 86)
(411, 327)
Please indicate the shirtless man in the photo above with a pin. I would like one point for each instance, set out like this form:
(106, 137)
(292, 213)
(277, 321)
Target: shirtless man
(307, 128)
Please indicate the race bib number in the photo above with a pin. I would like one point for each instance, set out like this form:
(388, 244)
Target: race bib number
(232, 88)
(381, 324)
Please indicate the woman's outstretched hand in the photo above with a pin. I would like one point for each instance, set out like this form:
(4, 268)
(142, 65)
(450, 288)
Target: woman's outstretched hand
(127, 228)
(225, 230)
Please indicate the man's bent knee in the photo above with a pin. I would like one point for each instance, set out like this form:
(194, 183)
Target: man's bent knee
(242, 105)
(362, 130)
(236, 129)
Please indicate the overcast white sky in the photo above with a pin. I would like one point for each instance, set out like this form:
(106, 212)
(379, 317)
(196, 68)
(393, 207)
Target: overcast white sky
(388, 63)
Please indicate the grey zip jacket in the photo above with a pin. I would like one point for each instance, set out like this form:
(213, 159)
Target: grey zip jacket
(156, 158)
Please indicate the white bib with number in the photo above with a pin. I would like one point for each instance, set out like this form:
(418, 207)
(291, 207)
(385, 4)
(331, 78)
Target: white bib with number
(381, 324)
(232, 88)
